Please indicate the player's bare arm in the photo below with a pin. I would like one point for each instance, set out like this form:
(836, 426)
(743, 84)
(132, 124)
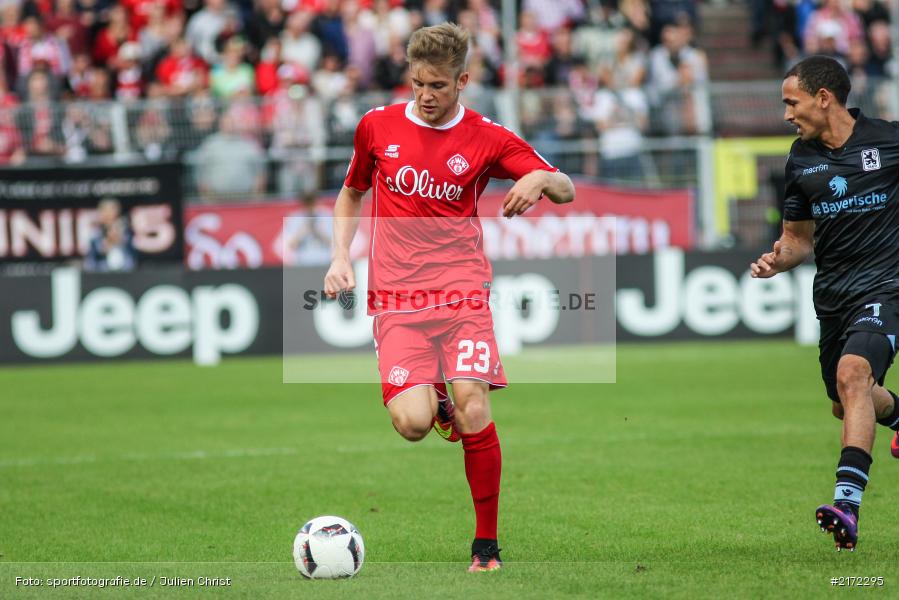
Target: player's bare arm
(794, 246)
(527, 191)
(346, 219)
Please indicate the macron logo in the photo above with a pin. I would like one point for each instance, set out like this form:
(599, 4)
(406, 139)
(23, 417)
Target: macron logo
(392, 151)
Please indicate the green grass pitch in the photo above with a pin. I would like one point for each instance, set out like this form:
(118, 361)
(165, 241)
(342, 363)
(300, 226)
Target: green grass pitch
(695, 476)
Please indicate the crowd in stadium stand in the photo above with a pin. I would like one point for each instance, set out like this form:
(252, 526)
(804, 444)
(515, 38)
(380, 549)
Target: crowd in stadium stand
(855, 32)
(243, 83)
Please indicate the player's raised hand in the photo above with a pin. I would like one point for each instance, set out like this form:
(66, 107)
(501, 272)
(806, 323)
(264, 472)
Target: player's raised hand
(766, 265)
(340, 277)
(524, 194)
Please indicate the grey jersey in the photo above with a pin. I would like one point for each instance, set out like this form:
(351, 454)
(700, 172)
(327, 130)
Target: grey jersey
(852, 193)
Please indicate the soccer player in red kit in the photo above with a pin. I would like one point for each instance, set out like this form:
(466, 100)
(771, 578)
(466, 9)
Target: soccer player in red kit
(429, 280)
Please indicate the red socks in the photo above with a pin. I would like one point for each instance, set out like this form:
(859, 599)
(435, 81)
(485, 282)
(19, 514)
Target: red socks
(483, 464)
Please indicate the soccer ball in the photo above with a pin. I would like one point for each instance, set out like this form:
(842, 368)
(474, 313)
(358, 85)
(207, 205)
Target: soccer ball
(328, 548)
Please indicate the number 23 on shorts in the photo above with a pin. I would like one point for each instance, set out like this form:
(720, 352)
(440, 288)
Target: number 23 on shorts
(473, 356)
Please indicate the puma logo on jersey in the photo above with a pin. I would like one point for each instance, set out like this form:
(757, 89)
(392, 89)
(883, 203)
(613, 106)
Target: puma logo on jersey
(457, 164)
(392, 151)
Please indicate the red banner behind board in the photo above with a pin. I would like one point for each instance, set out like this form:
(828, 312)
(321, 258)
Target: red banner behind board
(600, 221)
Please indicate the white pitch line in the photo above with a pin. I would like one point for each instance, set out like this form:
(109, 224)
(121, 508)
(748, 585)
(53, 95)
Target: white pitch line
(191, 455)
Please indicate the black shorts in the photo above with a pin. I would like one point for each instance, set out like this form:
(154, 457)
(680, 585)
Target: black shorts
(878, 316)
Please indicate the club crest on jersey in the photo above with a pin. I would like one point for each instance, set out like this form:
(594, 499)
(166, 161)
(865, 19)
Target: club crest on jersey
(870, 159)
(457, 164)
(838, 186)
(392, 151)
(398, 376)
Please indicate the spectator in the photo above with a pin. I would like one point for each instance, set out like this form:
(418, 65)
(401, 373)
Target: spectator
(557, 123)
(7, 65)
(870, 11)
(12, 30)
(112, 242)
(153, 131)
(202, 116)
(111, 37)
(563, 58)
(832, 21)
(331, 79)
(233, 74)
(76, 84)
(534, 49)
(486, 19)
(205, 26)
(486, 40)
(880, 61)
(307, 235)
(787, 41)
(228, 166)
(298, 45)
(667, 12)
(65, 22)
(343, 116)
(140, 12)
(129, 81)
(627, 70)
(40, 118)
(265, 22)
(93, 14)
(827, 41)
(391, 70)
(857, 62)
(389, 23)
(552, 14)
(595, 40)
(245, 114)
(361, 42)
(182, 73)
(328, 27)
(99, 84)
(7, 97)
(675, 67)
(86, 129)
(267, 68)
(621, 117)
(476, 95)
(154, 37)
(39, 46)
(298, 142)
(436, 12)
(636, 15)
(12, 147)
(583, 81)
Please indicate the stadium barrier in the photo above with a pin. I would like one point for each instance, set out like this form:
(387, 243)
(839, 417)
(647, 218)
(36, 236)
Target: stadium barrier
(67, 315)
(606, 219)
(49, 214)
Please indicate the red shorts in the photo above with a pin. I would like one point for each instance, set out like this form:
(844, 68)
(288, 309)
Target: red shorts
(436, 345)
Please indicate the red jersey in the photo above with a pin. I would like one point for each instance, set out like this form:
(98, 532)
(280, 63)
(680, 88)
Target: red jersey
(426, 239)
(185, 71)
(140, 10)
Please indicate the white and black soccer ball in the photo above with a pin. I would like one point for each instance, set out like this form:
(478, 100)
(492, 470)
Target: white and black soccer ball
(328, 548)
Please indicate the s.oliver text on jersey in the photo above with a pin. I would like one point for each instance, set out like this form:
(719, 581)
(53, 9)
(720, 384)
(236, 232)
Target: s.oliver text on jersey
(409, 182)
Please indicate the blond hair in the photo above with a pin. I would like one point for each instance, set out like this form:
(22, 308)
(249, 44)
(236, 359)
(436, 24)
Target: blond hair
(442, 46)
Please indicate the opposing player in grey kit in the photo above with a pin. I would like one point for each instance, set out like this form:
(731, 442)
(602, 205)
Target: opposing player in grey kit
(842, 204)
